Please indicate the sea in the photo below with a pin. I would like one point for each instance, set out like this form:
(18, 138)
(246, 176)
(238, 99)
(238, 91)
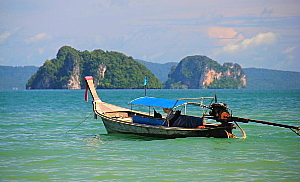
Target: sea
(51, 135)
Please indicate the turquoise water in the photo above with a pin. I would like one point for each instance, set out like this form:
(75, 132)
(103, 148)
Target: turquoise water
(36, 147)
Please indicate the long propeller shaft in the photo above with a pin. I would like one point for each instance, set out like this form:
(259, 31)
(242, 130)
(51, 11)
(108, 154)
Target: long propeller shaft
(246, 120)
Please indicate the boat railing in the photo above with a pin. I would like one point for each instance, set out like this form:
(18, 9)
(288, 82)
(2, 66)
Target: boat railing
(197, 98)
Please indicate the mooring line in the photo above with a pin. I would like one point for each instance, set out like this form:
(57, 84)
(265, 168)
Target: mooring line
(80, 122)
(243, 132)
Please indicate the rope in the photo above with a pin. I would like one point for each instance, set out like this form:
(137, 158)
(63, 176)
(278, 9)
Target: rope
(80, 122)
(244, 133)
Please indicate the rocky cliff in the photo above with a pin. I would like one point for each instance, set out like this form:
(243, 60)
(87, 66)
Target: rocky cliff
(110, 70)
(74, 81)
(201, 72)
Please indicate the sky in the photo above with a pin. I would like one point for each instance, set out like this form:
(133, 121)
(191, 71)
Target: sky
(252, 33)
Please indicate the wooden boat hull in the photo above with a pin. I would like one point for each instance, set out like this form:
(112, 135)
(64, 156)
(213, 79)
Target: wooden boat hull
(117, 126)
(117, 119)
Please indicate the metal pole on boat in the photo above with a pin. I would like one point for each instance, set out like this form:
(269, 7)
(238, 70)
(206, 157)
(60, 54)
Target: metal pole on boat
(145, 85)
(295, 129)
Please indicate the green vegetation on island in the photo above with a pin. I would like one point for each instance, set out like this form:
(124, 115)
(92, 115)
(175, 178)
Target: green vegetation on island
(201, 72)
(68, 69)
(259, 78)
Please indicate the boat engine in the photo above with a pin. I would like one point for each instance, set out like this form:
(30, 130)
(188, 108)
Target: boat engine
(220, 112)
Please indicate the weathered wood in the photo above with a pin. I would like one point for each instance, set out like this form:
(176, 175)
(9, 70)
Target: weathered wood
(103, 108)
(118, 126)
(119, 119)
(116, 121)
(91, 86)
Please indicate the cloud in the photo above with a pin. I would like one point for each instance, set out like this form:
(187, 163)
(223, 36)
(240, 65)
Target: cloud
(267, 12)
(4, 36)
(224, 35)
(289, 53)
(288, 50)
(258, 51)
(260, 39)
(38, 37)
(9, 34)
(221, 32)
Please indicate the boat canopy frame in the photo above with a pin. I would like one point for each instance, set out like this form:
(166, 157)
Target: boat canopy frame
(164, 103)
(170, 104)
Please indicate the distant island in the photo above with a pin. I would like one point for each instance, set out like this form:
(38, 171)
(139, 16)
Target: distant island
(116, 70)
(15, 77)
(257, 78)
(160, 70)
(201, 72)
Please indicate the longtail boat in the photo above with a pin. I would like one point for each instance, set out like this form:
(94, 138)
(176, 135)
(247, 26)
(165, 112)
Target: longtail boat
(215, 121)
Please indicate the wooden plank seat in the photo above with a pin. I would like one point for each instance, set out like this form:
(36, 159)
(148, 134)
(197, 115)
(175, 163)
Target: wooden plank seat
(117, 114)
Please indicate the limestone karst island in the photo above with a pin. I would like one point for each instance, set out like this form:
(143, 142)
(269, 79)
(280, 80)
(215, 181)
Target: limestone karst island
(201, 72)
(110, 70)
(114, 70)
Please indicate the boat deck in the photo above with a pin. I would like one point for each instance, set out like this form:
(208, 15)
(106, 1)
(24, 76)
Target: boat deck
(103, 107)
(125, 115)
(117, 112)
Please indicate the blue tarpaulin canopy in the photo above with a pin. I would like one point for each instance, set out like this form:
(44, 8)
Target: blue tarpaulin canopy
(157, 102)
